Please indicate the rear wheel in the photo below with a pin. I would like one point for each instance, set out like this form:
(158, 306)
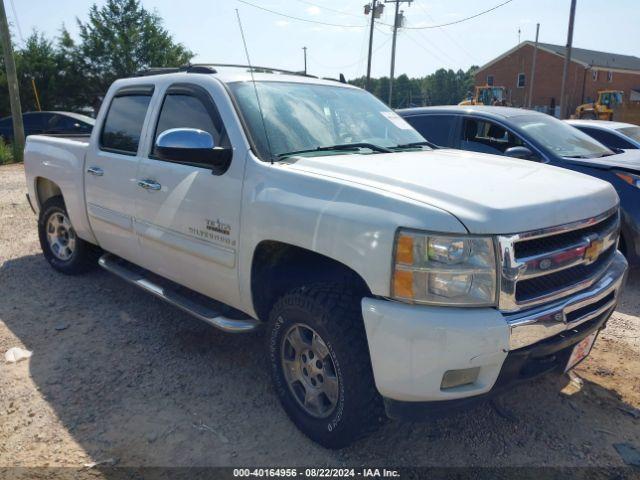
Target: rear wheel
(61, 246)
(588, 116)
(320, 364)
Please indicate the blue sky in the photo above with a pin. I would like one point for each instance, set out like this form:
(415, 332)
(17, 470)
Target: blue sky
(209, 28)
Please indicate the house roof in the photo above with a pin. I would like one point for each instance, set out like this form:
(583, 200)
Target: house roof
(587, 58)
(595, 58)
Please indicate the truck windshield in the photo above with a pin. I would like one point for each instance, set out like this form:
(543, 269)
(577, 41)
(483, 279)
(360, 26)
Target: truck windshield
(560, 138)
(310, 118)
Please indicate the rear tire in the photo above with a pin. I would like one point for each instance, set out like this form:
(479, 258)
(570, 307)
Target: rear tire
(588, 116)
(329, 362)
(61, 246)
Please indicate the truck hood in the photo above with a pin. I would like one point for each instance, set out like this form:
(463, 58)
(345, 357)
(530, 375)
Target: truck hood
(487, 193)
(628, 160)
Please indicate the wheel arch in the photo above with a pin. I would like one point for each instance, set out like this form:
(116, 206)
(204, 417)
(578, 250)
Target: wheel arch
(278, 267)
(46, 189)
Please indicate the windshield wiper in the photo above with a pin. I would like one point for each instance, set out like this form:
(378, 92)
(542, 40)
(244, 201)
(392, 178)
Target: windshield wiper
(343, 146)
(424, 143)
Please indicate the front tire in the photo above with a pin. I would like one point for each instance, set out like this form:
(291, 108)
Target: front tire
(320, 364)
(61, 246)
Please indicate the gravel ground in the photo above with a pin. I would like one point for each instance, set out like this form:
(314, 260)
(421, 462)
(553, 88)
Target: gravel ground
(121, 377)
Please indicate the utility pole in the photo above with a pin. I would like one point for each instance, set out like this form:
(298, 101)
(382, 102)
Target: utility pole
(12, 81)
(519, 32)
(567, 61)
(305, 59)
(375, 9)
(396, 23)
(533, 67)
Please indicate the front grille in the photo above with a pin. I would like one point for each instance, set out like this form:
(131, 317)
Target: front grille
(546, 265)
(534, 246)
(532, 288)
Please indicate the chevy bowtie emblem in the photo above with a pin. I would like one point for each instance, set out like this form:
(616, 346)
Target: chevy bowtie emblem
(593, 251)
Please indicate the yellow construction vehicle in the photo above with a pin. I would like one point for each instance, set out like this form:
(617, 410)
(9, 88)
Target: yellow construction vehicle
(602, 109)
(487, 95)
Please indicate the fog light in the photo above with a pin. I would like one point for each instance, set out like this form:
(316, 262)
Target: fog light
(457, 378)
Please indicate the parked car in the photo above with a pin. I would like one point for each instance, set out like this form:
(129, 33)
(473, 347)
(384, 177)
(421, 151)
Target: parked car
(387, 275)
(538, 137)
(612, 134)
(54, 123)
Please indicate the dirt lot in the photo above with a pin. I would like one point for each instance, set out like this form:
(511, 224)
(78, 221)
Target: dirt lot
(119, 376)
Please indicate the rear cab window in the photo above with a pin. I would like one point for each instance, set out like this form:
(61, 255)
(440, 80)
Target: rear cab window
(124, 121)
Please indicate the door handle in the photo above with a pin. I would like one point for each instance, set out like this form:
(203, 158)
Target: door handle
(149, 184)
(97, 171)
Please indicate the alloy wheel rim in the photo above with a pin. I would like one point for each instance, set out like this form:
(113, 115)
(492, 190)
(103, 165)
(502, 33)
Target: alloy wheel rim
(60, 236)
(309, 371)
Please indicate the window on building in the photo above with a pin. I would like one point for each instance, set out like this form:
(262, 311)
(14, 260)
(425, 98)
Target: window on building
(490, 80)
(521, 80)
(609, 76)
(594, 75)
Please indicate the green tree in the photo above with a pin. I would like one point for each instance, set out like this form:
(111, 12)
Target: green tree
(121, 38)
(443, 87)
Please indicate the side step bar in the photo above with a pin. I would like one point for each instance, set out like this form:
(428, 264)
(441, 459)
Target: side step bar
(203, 308)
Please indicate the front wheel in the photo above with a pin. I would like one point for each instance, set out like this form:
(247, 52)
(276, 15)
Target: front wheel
(320, 364)
(61, 246)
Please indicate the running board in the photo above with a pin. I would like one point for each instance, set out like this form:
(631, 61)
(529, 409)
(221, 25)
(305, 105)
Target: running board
(201, 307)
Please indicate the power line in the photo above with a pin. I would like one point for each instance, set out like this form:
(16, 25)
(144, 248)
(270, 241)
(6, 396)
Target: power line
(15, 17)
(299, 18)
(462, 19)
(329, 9)
(429, 51)
(353, 63)
(292, 17)
(449, 36)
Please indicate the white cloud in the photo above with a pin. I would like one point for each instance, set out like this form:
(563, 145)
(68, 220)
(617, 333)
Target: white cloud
(282, 23)
(313, 10)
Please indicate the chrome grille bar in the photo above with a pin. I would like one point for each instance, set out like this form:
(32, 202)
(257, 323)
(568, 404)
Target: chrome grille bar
(578, 251)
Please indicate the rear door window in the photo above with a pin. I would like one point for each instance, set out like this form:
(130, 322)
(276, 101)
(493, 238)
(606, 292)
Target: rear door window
(437, 129)
(123, 125)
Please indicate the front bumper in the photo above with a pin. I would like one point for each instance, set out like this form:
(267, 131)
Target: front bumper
(412, 347)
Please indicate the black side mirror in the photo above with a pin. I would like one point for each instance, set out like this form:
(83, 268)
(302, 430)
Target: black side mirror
(194, 147)
(519, 152)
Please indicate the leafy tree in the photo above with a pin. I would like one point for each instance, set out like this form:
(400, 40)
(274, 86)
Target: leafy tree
(443, 87)
(121, 38)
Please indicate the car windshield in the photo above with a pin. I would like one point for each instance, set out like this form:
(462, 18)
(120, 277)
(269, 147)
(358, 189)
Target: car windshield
(631, 132)
(560, 138)
(305, 117)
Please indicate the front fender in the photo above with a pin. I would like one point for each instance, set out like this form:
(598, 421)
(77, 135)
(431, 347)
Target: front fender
(349, 223)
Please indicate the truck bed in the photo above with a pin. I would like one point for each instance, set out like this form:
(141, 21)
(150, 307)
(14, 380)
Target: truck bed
(60, 160)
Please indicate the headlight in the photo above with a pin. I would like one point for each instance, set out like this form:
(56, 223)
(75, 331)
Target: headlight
(630, 178)
(444, 270)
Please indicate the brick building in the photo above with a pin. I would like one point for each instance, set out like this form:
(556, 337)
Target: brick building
(589, 71)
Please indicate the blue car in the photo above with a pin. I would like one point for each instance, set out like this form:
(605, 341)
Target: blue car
(537, 137)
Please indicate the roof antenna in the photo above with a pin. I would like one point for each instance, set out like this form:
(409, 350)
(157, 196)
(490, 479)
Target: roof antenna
(255, 88)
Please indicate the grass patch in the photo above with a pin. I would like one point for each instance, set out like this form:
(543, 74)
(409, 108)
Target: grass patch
(6, 152)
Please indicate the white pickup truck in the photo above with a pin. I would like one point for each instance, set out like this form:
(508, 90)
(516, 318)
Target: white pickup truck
(390, 277)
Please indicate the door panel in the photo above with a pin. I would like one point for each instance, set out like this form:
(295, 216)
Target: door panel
(111, 172)
(189, 228)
